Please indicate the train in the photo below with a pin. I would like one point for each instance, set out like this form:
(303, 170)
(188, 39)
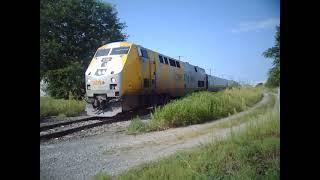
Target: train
(124, 76)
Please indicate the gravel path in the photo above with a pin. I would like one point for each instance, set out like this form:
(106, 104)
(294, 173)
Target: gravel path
(113, 151)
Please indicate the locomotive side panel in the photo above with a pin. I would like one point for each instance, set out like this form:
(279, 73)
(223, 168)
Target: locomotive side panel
(169, 78)
(132, 80)
(194, 78)
(163, 76)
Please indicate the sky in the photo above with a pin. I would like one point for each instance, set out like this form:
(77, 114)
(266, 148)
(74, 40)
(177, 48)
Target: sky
(225, 37)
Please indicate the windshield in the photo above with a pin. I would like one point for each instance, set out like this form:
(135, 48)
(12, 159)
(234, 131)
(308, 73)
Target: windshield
(102, 52)
(119, 50)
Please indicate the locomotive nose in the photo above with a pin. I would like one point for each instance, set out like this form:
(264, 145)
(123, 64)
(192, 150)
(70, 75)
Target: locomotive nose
(104, 76)
(103, 80)
(109, 85)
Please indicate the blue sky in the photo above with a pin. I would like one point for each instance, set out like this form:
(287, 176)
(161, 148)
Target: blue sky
(225, 36)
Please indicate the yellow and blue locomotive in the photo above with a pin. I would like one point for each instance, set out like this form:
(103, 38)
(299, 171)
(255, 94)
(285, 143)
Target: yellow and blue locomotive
(123, 76)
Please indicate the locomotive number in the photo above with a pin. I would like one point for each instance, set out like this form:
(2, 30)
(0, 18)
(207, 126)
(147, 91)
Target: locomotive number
(97, 83)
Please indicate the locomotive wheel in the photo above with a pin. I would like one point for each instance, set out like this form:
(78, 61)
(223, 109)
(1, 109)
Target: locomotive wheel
(103, 104)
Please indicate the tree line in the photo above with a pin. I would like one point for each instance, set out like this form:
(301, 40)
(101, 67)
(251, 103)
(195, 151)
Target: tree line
(70, 33)
(274, 54)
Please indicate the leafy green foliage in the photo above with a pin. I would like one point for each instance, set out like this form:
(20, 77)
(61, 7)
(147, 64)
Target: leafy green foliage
(274, 53)
(70, 33)
(65, 82)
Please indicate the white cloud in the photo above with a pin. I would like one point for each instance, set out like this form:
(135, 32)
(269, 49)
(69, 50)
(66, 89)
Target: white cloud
(251, 26)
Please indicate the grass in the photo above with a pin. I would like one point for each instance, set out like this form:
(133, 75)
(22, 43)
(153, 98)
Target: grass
(233, 121)
(273, 89)
(199, 107)
(136, 126)
(102, 176)
(253, 153)
(247, 117)
(60, 107)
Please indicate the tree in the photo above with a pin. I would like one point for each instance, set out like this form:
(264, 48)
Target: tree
(65, 82)
(70, 33)
(274, 53)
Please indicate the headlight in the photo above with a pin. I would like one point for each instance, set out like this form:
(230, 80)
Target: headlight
(113, 80)
(98, 72)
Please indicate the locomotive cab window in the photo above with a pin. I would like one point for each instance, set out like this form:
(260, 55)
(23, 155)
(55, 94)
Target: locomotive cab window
(160, 59)
(102, 52)
(165, 60)
(178, 64)
(119, 50)
(195, 69)
(172, 62)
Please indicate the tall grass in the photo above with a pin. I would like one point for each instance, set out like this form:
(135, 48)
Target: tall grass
(259, 111)
(233, 121)
(101, 176)
(60, 107)
(136, 126)
(251, 154)
(202, 106)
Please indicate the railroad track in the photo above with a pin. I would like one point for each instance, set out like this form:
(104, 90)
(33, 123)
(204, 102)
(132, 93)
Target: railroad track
(46, 126)
(62, 128)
